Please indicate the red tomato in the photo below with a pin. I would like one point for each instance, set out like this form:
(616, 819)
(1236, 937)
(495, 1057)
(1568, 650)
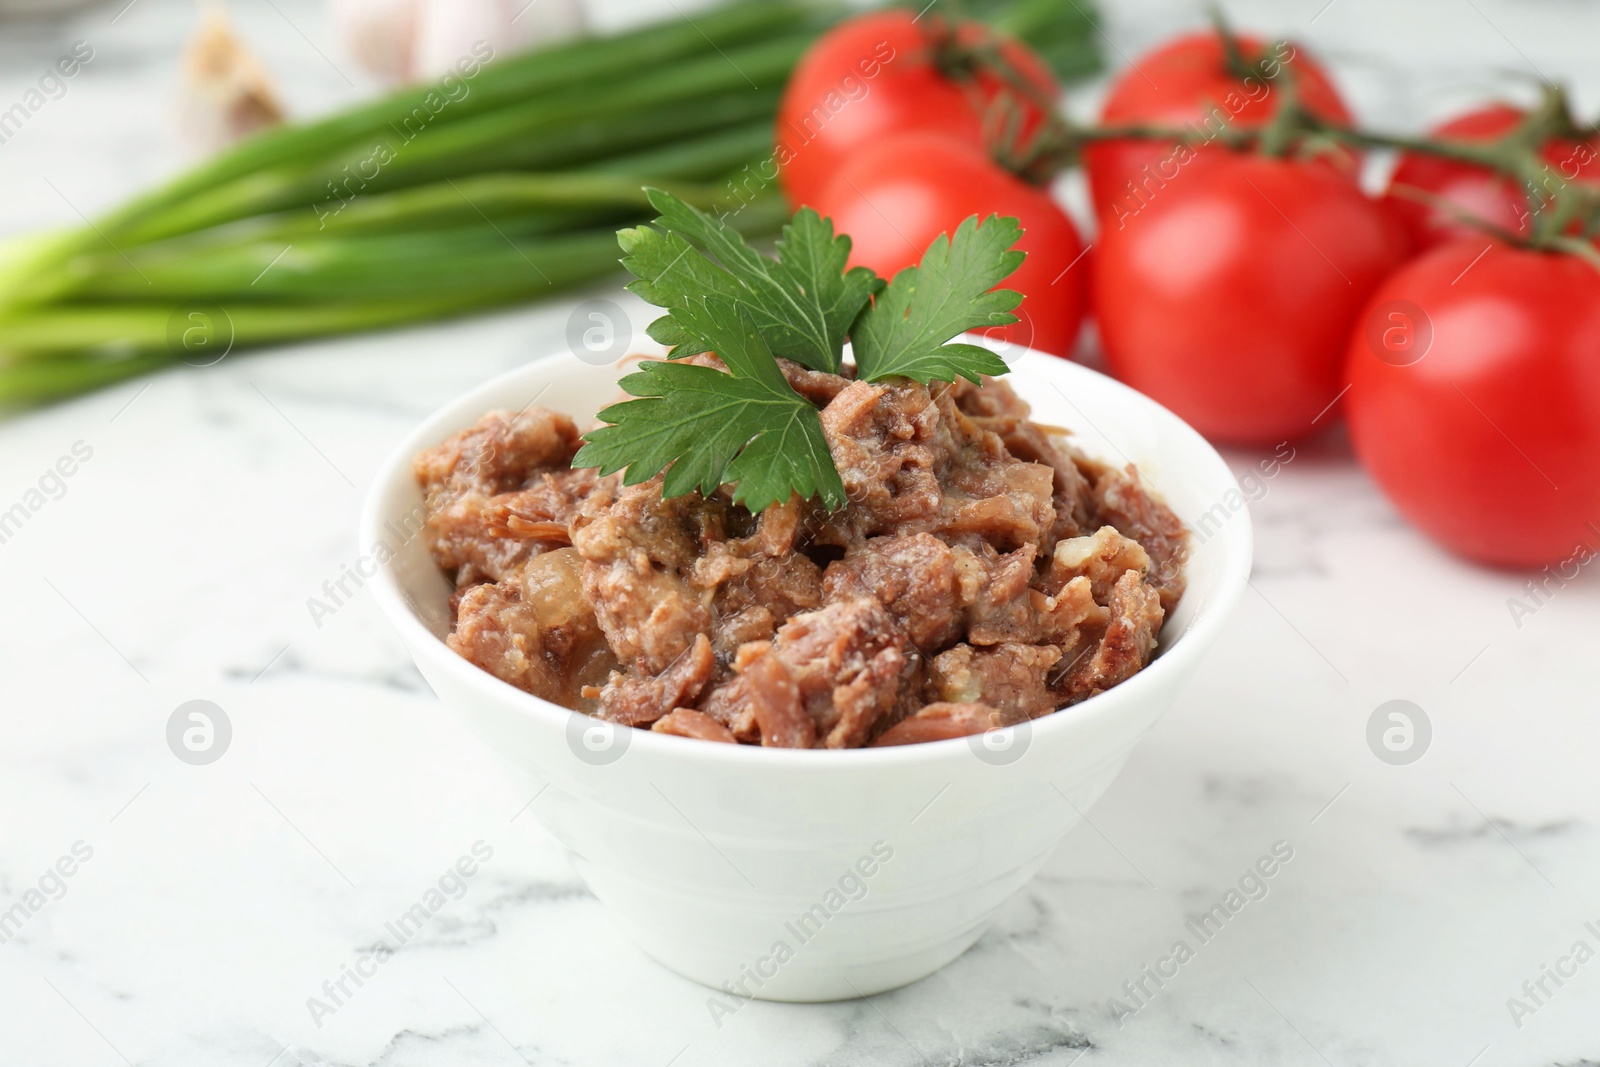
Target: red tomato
(1229, 297)
(1494, 198)
(1187, 82)
(875, 76)
(895, 198)
(1475, 400)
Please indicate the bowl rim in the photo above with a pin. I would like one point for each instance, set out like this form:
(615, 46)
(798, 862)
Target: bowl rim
(1193, 642)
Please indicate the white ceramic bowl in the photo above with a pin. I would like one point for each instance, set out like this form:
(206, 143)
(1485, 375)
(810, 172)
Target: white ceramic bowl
(819, 875)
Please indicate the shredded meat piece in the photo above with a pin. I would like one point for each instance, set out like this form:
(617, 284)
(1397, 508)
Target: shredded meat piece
(994, 397)
(1064, 616)
(994, 592)
(816, 386)
(549, 648)
(500, 466)
(1103, 558)
(757, 581)
(885, 443)
(1121, 501)
(1070, 490)
(942, 721)
(1124, 648)
(649, 616)
(854, 668)
(456, 596)
(686, 722)
(498, 632)
(914, 577)
(1013, 678)
(461, 535)
(636, 699)
(995, 406)
(753, 604)
(536, 632)
(774, 698)
(833, 678)
(991, 494)
(777, 530)
(1015, 511)
(638, 550)
(544, 509)
(498, 453)
(729, 705)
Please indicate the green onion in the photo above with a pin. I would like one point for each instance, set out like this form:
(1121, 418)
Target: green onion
(509, 82)
(501, 185)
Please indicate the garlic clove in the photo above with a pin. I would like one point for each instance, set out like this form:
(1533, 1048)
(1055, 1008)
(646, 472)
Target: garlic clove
(379, 35)
(450, 30)
(227, 93)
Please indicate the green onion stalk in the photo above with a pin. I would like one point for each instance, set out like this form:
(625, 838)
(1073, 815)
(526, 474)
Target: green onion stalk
(501, 183)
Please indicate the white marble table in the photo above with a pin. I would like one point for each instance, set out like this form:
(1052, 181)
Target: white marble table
(215, 900)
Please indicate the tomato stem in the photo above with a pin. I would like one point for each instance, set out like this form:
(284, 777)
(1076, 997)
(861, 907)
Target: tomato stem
(1232, 53)
(1557, 206)
(1284, 129)
(1555, 203)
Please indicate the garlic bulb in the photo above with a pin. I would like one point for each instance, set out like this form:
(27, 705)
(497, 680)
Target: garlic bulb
(412, 40)
(227, 93)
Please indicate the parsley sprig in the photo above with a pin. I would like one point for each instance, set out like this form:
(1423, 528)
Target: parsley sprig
(904, 333)
(747, 427)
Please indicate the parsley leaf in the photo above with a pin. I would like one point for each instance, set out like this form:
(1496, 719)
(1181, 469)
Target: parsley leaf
(747, 426)
(802, 303)
(708, 428)
(903, 333)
